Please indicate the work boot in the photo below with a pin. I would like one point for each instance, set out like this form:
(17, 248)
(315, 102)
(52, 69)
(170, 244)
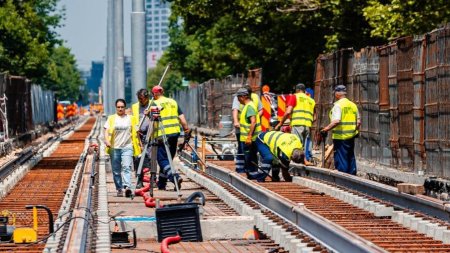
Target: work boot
(275, 174)
(119, 193)
(286, 175)
(162, 182)
(127, 192)
(179, 181)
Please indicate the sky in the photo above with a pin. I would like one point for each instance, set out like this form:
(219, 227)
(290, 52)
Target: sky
(84, 30)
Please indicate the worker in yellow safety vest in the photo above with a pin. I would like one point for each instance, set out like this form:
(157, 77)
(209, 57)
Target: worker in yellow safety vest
(344, 125)
(138, 111)
(301, 109)
(277, 149)
(170, 119)
(250, 127)
(122, 143)
(236, 109)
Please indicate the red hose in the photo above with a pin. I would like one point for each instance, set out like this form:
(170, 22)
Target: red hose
(169, 240)
(140, 192)
(146, 179)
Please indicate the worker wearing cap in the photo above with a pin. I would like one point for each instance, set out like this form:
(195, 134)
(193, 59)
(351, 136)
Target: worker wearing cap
(138, 110)
(277, 149)
(171, 117)
(301, 107)
(250, 127)
(236, 108)
(344, 124)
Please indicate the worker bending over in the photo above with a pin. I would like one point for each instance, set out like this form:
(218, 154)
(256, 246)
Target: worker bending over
(277, 149)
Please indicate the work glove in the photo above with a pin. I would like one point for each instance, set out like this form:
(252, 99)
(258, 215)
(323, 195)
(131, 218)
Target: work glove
(248, 141)
(323, 134)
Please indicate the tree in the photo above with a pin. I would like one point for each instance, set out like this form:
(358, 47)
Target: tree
(213, 39)
(394, 18)
(63, 76)
(172, 80)
(26, 36)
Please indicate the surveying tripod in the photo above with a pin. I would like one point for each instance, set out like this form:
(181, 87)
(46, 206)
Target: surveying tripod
(152, 139)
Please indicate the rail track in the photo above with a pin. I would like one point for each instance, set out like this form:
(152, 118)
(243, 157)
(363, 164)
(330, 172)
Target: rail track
(46, 184)
(334, 220)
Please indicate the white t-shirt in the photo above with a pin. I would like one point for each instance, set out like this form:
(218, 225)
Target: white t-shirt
(336, 113)
(122, 131)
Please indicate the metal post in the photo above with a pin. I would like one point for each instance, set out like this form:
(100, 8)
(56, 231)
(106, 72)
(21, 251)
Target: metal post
(107, 86)
(203, 152)
(119, 76)
(138, 50)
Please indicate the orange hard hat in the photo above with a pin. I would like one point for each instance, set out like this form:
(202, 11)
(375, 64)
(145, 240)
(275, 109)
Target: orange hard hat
(158, 89)
(265, 88)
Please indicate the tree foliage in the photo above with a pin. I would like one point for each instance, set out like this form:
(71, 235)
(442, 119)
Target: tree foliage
(29, 45)
(216, 38)
(394, 18)
(171, 81)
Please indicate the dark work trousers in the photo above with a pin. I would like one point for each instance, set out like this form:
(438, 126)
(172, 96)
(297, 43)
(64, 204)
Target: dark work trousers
(344, 155)
(251, 158)
(165, 172)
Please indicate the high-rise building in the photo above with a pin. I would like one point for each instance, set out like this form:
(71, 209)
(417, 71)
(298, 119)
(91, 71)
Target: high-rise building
(127, 76)
(95, 78)
(157, 14)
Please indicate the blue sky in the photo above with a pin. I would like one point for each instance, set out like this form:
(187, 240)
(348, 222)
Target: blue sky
(84, 30)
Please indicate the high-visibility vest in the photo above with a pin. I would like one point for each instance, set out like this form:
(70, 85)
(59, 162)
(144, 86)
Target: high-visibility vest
(255, 101)
(302, 114)
(134, 139)
(245, 127)
(135, 110)
(286, 142)
(349, 115)
(169, 116)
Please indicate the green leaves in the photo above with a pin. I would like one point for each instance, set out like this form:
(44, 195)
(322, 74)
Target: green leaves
(28, 46)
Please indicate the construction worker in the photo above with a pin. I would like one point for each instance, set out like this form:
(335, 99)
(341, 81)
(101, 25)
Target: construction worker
(301, 107)
(250, 127)
(122, 143)
(138, 110)
(277, 149)
(171, 117)
(344, 124)
(236, 108)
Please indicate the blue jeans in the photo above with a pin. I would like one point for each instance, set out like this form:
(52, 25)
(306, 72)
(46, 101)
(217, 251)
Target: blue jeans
(266, 158)
(121, 162)
(344, 155)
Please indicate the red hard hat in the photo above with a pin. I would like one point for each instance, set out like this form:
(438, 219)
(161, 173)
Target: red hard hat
(158, 89)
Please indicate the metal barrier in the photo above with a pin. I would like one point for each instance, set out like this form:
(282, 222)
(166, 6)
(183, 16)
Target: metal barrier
(401, 90)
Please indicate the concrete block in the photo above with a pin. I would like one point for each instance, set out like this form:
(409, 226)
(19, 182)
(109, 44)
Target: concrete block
(415, 223)
(431, 229)
(446, 237)
(396, 216)
(407, 220)
(422, 226)
(411, 188)
(219, 227)
(382, 210)
(439, 233)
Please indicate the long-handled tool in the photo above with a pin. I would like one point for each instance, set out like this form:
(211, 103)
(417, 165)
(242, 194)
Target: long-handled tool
(159, 84)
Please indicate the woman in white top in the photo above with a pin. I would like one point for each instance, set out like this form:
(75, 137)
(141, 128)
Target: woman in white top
(119, 135)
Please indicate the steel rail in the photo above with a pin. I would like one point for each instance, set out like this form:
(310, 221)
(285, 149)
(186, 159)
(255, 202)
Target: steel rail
(429, 206)
(329, 233)
(76, 239)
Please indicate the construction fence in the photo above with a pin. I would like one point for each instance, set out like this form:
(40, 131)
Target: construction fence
(204, 103)
(402, 91)
(23, 106)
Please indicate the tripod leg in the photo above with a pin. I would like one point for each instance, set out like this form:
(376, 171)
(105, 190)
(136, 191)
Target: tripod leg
(169, 156)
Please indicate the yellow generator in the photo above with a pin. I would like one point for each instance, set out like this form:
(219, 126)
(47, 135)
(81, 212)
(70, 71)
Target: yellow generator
(29, 235)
